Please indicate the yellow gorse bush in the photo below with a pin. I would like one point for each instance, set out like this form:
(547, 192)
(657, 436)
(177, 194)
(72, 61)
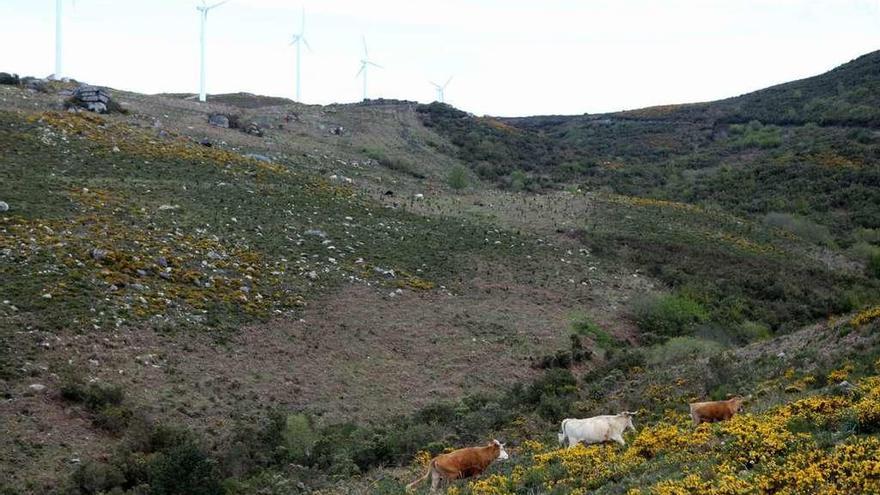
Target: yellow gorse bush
(751, 453)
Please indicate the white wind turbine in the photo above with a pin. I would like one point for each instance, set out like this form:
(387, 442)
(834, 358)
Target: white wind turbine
(300, 39)
(365, 62)
(59, 39)
(203, 10)
(441, 89)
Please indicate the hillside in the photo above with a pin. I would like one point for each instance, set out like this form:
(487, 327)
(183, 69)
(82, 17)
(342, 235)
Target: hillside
(806, 149)
(317, 297)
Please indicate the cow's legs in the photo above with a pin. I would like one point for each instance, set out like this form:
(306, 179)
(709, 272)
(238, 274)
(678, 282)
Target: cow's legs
(436, 478)
(619, 439)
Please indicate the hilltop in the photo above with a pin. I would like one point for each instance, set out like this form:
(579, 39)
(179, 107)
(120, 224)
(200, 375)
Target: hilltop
(305, 297)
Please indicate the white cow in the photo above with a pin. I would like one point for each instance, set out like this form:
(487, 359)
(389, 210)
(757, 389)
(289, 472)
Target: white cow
(597, 429)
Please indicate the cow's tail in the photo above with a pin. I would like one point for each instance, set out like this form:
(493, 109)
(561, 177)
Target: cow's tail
(423, 477)
(563, 439)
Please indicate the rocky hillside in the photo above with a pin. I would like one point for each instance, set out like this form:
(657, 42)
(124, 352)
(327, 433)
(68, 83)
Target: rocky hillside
(259, 296)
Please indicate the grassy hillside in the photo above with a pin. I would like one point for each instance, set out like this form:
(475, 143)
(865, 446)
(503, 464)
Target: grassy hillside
(807, 150)
(194, 309)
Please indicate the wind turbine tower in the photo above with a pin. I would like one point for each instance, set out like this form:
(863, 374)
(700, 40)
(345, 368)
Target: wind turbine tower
(58, 39)
(203, 11)
(365, 63)
(441, 89)
(300, 39)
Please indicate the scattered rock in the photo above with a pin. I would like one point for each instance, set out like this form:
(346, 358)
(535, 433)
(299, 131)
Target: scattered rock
(254, 130)
(337, 131)
(261, 158)
(206, 142)
(4, 206)
(312, 275)
(37, 387)
(389, 193)
(9, 79)
(219, 120)
(316, 233)
(168, 207)
(419, 196)
(99, 254)
(161, 261)
(389, 274)
(35, 84)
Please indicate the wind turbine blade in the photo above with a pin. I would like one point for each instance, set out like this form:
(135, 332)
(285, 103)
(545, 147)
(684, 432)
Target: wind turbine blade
(306, 42)
(295, 39)
(434, 84)
(447, 82)
(217, 4)
(375, 65)
(302, 29)
(364, 40)
(363, 66)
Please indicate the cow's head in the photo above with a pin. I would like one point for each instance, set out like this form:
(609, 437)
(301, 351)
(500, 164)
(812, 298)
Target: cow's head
(629, 419)
(502, 454)
(738, 401)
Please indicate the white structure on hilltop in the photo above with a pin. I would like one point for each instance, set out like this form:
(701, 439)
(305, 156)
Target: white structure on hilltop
(300, 39)
(366, 62)
(441, 89)
(203, 15)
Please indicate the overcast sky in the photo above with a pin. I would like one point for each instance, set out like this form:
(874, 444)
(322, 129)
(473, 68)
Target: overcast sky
(508, 57)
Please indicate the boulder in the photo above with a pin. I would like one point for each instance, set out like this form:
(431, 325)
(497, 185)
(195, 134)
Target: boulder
(4, 206)
(337, 131)
(35, 84)
(93, 99)
(254, 129)
(219, 120)
(9, 79)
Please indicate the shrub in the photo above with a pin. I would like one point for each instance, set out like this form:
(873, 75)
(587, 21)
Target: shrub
(677, 349)
(299, 437)
(799, 226)
(583, 325)
(95, 477)
(183, 470)
(457, 178)
(751, 331)
(668, 316)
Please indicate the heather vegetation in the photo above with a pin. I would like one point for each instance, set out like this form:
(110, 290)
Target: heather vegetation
(187, 309)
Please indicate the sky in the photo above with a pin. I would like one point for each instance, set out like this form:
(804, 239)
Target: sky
(506, 57)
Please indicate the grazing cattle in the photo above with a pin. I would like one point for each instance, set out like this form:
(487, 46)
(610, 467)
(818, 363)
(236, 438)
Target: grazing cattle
(461, 463)
(720, 410)
(596, 429)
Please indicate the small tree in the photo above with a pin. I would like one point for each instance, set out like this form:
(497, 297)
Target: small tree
(457, 178)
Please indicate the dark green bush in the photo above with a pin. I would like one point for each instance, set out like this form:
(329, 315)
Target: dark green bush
(668, 315)
(183, 470)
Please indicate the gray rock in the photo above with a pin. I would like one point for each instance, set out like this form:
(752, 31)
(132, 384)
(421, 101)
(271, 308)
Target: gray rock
(34, 84)
(92, 98)
(261, 158)
(254, 130)
(9, 79)
(389, 274)
(219, 120)
(99, 254)
(312, 275)
(161, 261)
(337, 131)
(316, 233)
(37, 387)
(4, 206)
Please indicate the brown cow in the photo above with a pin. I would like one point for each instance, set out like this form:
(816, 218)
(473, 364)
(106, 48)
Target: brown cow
(720, 410)
(461, 463)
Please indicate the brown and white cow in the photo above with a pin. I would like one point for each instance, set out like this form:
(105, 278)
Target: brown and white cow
(461, 463)
(719, 410)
